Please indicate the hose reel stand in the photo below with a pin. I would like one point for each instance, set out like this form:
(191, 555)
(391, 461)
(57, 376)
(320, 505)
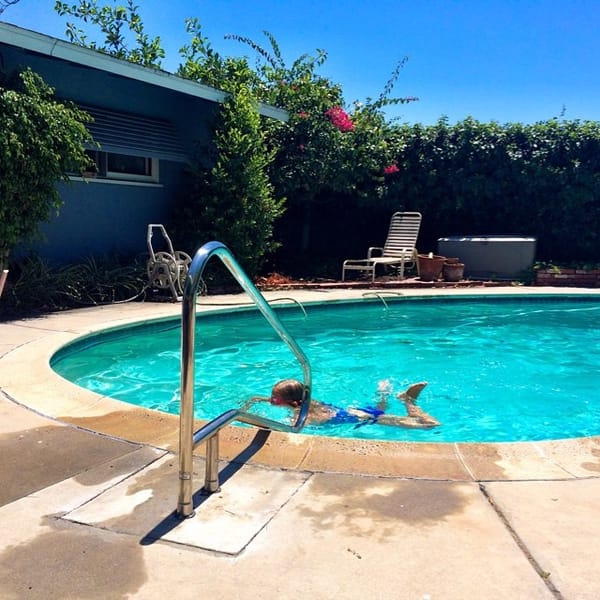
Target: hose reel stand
(167, 269)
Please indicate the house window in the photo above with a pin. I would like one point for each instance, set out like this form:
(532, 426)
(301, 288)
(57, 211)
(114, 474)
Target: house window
(125, 167)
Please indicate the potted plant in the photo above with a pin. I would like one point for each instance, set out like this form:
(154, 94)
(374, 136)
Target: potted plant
(430, 266)
(453, 270)
(3, 276)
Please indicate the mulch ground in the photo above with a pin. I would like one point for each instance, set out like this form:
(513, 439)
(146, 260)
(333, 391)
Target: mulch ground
(276, 281)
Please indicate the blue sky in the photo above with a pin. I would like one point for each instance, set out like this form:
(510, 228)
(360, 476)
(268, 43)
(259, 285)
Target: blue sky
(502, 60)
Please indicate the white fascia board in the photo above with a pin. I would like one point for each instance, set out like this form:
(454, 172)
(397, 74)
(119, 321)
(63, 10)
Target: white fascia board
(49, 46)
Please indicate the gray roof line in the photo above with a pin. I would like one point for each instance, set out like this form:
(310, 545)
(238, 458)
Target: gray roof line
(50, 46)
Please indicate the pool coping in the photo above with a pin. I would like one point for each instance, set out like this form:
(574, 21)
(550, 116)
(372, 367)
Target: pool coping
(27, 379)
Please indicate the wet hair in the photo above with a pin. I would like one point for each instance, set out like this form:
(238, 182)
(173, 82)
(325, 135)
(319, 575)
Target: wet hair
(290, 391)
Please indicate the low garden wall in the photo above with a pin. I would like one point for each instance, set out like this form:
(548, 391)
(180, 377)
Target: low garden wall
(568, 277)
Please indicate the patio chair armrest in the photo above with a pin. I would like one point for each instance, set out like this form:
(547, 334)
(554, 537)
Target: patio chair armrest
(374, 249)
(357, 262)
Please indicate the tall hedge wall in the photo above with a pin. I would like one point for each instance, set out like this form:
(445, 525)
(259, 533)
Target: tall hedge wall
(539, 180)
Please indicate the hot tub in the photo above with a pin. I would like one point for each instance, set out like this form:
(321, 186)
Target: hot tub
(490, 256)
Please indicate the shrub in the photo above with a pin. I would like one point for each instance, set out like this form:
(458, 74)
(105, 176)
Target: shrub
(541, 180)
(231, 198)
(41, 140)
(37, 287)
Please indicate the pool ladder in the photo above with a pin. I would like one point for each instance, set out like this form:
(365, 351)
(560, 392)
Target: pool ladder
(188, 438)
(379, 294)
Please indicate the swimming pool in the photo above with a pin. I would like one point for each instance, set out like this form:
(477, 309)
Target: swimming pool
(506, 369)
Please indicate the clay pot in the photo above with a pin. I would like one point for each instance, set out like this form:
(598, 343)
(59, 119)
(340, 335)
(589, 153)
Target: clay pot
(430, 267)
(453, 271)
(3, 276)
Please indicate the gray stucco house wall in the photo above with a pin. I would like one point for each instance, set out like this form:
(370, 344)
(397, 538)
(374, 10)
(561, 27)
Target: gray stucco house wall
(144, 117)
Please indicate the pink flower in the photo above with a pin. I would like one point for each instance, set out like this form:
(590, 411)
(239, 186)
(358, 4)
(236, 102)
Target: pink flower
(339, 118)
(303, 115)
(391, 169)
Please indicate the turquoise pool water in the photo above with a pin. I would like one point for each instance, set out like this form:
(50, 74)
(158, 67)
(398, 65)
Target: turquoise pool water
(499, 369)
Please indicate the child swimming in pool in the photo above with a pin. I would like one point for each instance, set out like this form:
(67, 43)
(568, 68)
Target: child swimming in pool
(288, 392)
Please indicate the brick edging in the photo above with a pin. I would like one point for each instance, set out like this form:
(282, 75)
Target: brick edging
(568, 277)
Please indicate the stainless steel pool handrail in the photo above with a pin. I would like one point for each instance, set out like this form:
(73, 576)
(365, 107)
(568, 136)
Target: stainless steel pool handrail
(293, 300)
(188, 439)
(379, 295)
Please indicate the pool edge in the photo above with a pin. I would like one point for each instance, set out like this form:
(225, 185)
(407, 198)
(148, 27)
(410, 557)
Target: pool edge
(48, 394)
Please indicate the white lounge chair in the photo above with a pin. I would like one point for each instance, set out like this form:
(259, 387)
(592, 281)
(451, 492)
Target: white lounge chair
(399, 248)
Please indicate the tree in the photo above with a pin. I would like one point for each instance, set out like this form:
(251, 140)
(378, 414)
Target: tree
(231, 199)
(113, 21)
(4, 4)
(324, 149)
(41, 140)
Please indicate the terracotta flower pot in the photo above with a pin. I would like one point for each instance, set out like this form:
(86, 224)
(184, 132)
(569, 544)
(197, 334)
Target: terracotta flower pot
(3, 276)
(453, 271)
(430, 267)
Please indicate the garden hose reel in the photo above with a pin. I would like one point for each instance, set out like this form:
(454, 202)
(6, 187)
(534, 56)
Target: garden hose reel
(167, 269)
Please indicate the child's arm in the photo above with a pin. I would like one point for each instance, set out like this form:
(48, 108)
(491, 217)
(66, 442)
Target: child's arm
(252, 401)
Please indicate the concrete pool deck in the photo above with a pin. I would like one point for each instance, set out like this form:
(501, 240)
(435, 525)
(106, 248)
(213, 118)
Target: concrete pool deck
(89, 485)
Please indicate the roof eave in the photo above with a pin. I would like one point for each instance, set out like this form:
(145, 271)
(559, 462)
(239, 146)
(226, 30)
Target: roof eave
(49, 46)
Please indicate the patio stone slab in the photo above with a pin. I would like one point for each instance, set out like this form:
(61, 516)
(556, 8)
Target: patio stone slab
(225, 522)
(343, 536)
(37, 452)
(559, 525)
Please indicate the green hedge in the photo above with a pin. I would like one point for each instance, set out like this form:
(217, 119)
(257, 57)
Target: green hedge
(539, 180)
